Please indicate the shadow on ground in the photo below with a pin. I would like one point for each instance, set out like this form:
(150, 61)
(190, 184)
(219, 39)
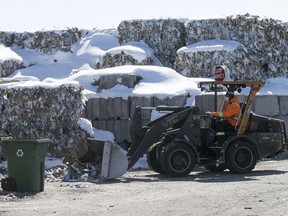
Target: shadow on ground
(201, 176)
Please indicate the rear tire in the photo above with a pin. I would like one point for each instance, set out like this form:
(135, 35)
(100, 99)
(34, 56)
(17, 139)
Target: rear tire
(241, 157)
(177, 160)
(153, 161)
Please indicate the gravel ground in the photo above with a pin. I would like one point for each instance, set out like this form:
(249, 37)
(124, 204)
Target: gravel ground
(143, 192)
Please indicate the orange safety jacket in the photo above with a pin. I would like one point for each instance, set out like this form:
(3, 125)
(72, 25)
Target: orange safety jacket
(230, 111)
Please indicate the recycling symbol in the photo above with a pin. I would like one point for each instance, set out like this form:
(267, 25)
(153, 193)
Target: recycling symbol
(20, 153)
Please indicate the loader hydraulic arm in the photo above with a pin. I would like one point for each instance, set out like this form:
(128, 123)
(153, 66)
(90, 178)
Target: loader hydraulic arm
(153, 132)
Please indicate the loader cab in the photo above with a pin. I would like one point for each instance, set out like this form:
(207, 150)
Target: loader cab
(245, 106)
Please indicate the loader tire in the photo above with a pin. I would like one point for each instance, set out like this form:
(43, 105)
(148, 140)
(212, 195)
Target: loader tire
(152, 160)
(241, 157)
(177, 159)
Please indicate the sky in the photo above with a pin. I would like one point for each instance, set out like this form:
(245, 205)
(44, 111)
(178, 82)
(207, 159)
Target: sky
(157, 80)
(34, 15)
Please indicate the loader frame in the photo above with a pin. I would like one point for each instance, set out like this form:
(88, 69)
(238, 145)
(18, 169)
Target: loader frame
(176, 142)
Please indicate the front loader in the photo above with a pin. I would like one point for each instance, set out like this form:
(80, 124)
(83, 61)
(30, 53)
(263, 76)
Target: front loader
(183, 138)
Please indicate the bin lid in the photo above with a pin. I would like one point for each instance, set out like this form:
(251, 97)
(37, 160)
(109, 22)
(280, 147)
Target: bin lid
(41, 140)
(25, 148)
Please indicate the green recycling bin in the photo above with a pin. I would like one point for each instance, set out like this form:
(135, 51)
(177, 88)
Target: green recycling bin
(26, 164)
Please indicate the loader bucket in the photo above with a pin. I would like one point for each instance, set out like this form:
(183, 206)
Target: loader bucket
(106, 159)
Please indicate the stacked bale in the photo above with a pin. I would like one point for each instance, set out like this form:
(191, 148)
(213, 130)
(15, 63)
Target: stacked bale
(133, 53)
(43, 112)
(9, 61)
(198, 60)
(265, 41)
(121, 59)
(44, 41)
(165, 36)
(8, 66)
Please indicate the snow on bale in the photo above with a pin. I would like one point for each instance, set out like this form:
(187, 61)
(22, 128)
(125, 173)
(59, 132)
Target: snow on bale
(49, 111)
(199, 59)
(132, 53)
(9, 61)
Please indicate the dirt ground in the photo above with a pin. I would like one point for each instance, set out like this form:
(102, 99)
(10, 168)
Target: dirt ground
(262, 192)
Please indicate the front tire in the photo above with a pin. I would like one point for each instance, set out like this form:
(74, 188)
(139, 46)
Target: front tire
(241, 157)
(153, 161)
(177, 159)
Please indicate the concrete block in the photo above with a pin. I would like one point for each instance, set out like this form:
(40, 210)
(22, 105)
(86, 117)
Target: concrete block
(110, 125)
(143, 102)
(158, 102)
(103, 109)
(89, 108)
(206, 102)
(285, 119)
(267, 105)
(283, 102)
(93, 109)
(111, 108)
(122, 131)
(121, 108)
(177, 100)
(125, 108)
(242, 98)
(107, 109)
(99, 124)
(106, 125)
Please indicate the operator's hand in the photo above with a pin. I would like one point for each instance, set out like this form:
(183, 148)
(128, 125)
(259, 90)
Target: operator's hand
(208, 113)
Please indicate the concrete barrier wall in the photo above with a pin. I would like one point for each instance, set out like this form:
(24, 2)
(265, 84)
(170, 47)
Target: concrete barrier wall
(114, 114)
(268, 105)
